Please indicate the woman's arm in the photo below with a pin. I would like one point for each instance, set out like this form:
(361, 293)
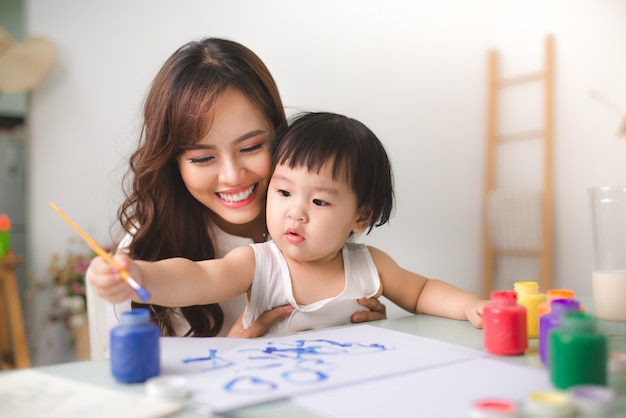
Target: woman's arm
(417, 294)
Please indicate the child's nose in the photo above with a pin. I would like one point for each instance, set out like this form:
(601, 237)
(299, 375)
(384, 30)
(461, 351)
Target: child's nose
(297, 214)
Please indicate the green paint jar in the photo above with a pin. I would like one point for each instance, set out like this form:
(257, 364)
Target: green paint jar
(578, 353)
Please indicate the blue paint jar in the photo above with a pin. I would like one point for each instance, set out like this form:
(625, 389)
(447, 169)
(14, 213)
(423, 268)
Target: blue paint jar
(135, 349)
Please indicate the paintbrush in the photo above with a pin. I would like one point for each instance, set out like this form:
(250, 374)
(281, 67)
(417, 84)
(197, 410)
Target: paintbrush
(143, 294)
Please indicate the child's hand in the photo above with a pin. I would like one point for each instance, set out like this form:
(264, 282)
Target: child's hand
(474, 311)
(106, 280)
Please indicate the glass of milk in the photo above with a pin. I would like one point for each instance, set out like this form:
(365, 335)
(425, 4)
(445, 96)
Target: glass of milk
(608, 232)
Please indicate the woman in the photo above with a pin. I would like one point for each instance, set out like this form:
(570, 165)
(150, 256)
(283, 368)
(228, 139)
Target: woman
(197, 181)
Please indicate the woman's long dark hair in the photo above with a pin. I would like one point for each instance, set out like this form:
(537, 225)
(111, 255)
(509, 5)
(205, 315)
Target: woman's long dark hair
(163, 217)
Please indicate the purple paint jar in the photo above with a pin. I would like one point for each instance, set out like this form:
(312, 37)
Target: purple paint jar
(553, 319)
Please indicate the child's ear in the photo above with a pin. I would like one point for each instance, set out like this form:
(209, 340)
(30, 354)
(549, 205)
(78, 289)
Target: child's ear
(361, 224)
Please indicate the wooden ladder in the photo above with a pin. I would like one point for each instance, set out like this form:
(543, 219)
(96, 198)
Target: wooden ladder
(543, 253)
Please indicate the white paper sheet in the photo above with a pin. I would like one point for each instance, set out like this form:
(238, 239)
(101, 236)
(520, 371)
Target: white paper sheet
(447, 391)
(28, 393)
(258, 370)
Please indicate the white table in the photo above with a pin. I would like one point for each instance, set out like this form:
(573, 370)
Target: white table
(452, 331)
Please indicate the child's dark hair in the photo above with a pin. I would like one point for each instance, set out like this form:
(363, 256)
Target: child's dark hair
(356, 154)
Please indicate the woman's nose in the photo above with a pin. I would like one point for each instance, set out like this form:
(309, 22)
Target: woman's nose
(230, 172)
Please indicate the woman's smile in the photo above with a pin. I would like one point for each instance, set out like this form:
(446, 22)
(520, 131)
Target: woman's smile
(238, 197)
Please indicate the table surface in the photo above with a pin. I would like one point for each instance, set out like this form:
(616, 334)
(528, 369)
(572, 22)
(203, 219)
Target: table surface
(448, 330)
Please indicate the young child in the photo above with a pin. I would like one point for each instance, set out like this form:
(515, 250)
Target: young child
(332, 178)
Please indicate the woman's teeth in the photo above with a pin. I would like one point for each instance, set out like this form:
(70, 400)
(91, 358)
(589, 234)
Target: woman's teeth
(238, 197)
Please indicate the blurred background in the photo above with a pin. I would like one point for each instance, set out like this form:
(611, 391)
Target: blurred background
(415, 72)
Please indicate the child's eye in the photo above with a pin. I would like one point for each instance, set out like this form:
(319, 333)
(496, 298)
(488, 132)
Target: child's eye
(252, 148)
(284, 193)
(320, 202)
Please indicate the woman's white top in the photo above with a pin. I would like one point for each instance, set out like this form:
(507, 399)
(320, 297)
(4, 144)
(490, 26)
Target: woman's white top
(104, 316)
(271, 287)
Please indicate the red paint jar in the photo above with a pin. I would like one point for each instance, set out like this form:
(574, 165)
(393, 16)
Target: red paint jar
(504, 325)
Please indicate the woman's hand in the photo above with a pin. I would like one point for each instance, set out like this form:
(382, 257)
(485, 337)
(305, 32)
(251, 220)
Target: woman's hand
(474, 311)
(106, 280)
(261, 324)
(377, 311)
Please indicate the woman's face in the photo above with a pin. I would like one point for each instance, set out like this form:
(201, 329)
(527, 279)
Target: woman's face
(228, 170)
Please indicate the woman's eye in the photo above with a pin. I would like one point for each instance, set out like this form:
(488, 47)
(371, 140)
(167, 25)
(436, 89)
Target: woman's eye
(284, 193)
(201, 160)
(252, 148)
(320, 202)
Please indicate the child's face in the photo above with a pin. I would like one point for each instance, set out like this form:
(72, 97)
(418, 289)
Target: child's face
(310, 215)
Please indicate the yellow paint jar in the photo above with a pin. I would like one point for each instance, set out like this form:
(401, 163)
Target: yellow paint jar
(529, 296)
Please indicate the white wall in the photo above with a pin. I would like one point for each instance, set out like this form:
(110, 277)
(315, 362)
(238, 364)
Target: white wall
(413, 71)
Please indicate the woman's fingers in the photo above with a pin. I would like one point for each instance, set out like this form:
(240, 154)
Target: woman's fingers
(261, 324)
(377, 310)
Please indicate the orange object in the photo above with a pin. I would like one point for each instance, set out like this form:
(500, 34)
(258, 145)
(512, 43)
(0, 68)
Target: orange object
(5, 234)
(5, 222)
(554, 294)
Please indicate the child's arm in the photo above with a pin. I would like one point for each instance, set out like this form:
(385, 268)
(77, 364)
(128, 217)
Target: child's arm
(176, 282)
(418, 294)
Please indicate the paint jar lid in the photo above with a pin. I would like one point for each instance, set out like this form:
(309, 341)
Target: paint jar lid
(564, 305)
(526, 288)
(167, 387)
(553, 294)
(507, 297)
(555, 404)
(135, 317)
(493, 408)
(578, 321)
(593, 400)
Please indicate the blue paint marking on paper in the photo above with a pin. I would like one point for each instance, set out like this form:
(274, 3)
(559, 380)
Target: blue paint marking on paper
(211, 356)
(304, 376)
(302, 348)
(304, 362)
(250, 385)
(210, 362)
